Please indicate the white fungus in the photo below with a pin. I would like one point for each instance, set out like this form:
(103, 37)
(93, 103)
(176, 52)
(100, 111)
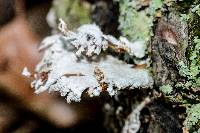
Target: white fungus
(25, 72)
(72, 64)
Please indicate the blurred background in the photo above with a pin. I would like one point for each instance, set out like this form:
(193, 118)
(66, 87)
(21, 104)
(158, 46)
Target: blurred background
(22, 26)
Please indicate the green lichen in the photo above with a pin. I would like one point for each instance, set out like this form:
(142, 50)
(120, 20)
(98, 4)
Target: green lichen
(133, 25)
(192, 71)
(155, 5)
(198, 131)
(187, 90)
(192, 121)
(166, 89)
(136, 20)
(184, 17)
(196, 9)
(136, 24)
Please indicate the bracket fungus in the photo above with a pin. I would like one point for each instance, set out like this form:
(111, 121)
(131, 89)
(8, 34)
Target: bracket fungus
(73, 62)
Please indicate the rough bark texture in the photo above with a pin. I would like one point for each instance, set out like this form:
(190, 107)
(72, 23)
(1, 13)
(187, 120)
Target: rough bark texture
(169, 45)
(168, 48)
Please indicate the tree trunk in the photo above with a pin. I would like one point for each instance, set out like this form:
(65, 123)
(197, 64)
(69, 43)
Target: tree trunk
(171, 43)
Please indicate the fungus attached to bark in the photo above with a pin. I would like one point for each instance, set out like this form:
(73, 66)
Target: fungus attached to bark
(74, 62)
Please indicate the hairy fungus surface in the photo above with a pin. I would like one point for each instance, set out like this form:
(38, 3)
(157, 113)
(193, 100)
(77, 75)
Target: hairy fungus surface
(74, 63)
